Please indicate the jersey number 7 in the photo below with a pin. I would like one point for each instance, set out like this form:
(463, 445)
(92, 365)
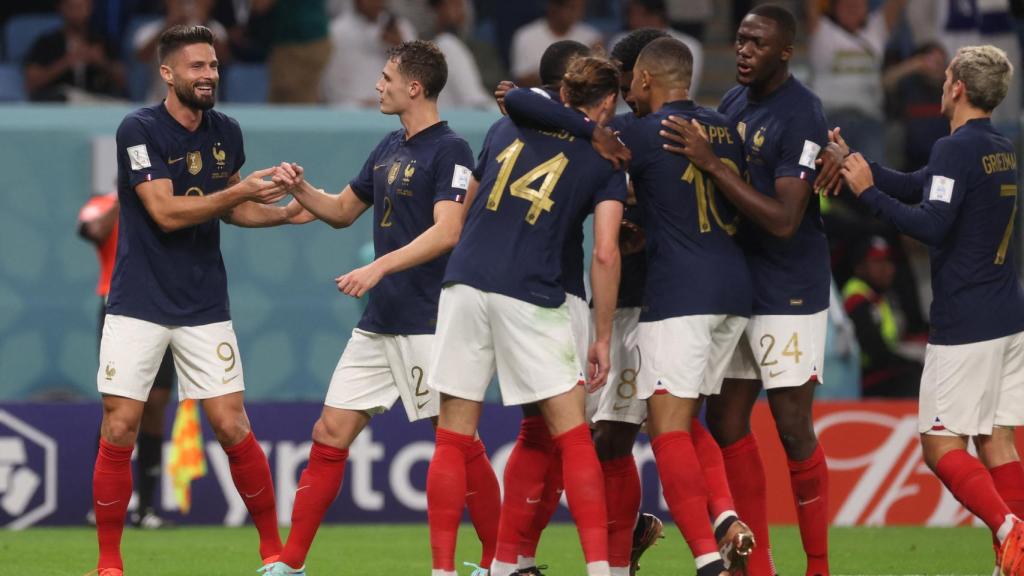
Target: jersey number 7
(540, 199)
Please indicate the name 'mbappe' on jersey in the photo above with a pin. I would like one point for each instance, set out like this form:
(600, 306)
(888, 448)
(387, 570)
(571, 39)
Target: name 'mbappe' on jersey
(173, 278)
(534, 185)
(403, 179)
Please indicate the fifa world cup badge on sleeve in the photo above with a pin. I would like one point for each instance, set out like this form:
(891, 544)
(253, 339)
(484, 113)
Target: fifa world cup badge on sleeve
(139, 157)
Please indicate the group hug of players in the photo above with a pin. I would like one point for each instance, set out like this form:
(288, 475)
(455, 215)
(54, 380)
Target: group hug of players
(709, 281)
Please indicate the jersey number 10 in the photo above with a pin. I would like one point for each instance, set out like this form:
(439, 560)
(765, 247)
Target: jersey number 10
(705, 189)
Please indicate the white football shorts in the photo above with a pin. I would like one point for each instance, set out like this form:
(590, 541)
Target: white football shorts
(617, 400)
(782, 351)
(685, 356)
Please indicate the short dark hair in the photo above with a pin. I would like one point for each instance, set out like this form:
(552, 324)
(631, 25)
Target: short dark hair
(555, 60)
(589, 79)
(783, 18)
(423, 62)
(176, 37)
(668, 58)
(627, 50)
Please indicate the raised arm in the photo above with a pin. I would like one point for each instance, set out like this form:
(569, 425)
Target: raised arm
(904, 186)
(533, 106)
(255, 215)
(339, 210)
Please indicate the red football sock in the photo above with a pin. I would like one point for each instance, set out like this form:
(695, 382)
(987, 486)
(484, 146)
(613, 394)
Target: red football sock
(584, 489)
(711, 462)
(749, 490)
(809, 481)
(549, 501)
(623, 493)
(973, 487)
(446, 495)
(251, 473)
(684, 489)
(111, 491)
(483, 497)
(1009, 481)
(318, 487)
(524, 483)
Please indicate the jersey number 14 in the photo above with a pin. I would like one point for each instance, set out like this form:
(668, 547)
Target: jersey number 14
(539, 198)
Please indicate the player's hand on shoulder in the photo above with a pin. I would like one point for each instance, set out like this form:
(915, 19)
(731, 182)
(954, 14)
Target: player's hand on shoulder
(857, 174)
(598, 364)
(691, 140)
(504, 87)
(359, 281)
(830, 162)
(258, 189)
(606, 143)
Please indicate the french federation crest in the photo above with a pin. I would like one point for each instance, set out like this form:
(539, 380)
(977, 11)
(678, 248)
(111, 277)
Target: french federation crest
(194, 161)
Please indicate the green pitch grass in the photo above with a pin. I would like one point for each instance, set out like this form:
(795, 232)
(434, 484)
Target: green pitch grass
(401, 550)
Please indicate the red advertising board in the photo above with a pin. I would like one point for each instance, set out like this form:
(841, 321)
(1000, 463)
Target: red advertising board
(877, 475)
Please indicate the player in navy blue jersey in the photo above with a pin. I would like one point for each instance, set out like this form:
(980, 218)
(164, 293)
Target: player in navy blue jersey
(684, 342)
(503, 308)
(783, 129)
(963, 205)
(416, 181)
(178, 173)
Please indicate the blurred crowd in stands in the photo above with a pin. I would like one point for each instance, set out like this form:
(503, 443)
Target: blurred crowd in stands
(878, 66)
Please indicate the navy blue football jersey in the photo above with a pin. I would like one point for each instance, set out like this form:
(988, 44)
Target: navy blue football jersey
(172, 278)
(694, 265)
(963, 206)
(534, 185)
(403, 179)
(782, 135)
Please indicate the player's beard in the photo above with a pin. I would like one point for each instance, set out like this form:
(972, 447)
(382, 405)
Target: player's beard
(186, 94)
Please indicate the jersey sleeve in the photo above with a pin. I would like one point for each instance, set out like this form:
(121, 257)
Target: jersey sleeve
(945, 188)
(485, 153)
(904, 186)
(139, 153)
(536, 108)
(362, 184)
(614, 188)
(805, 136)
(236, 131)
(453, 167)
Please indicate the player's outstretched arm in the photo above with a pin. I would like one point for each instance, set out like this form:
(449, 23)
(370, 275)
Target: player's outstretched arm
(172, 212)
(435, 241)
(256, 215)
(605, 267)
(779, 216)
(339, 210)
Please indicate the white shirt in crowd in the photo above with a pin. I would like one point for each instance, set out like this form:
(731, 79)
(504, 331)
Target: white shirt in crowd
(847, 68)
(157, 87)
(530, 42)
(464, 88)
(696, 48)
(357, 58)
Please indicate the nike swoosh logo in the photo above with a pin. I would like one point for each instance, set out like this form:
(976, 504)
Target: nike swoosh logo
(301, 488)
(107, 503)
(532, 500)
(379, 166)
(254, 495)
(175, 160)
(468, 494)
(620, 406)
(420, 406)
(774, 374)
(225, 379)
(806, 502)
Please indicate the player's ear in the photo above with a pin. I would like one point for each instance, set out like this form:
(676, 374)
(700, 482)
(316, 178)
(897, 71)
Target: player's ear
(165, 73)
(787, 53)
(415, 89)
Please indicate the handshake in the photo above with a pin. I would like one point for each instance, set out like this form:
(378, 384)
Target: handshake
(270, 185)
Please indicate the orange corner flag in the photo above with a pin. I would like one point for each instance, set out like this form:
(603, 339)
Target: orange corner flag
(187, 461)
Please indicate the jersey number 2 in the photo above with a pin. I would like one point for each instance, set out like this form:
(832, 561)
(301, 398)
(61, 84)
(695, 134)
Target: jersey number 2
(539, 198)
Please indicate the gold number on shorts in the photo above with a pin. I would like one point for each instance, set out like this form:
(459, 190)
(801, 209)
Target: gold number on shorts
(705, 193)
(1007, 190)
(540, 199)
(627, 384)
(228, 357)
(417, 373)
(793, 349)
(385, 221)
(768, 350)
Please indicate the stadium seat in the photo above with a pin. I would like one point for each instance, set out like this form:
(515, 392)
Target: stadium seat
(22, 30)
(12, 85)
(247, 83)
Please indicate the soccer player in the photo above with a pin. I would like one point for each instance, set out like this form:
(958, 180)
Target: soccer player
(503, 307)
(97, 223)
(416, 180)
(178, 173)
(963, 205)
(684, 342)
(783, 128)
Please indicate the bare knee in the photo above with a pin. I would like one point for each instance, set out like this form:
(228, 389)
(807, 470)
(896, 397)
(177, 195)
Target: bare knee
(796, 432)
(230, 428)
(120, 429)
(339, 428)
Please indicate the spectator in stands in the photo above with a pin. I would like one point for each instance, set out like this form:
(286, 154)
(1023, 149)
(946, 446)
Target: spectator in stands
(561, 21)
(73, 63)
(885, 372)
(913, 89)
(847, 45)
(190, 12)
(299, 48)
(360, 38)
(654, 14)
(464, 88)
(691, 16)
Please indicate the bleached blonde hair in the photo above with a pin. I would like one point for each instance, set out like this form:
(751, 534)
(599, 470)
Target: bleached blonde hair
(986, 73)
